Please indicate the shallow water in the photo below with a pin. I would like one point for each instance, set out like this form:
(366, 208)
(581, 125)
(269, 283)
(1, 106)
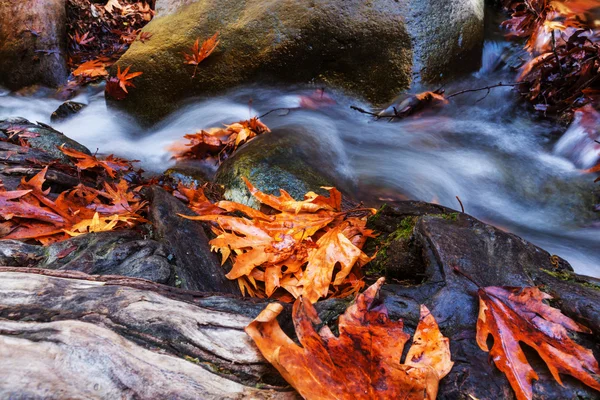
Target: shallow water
(491, 153)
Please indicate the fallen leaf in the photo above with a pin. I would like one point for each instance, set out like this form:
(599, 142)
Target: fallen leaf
(116, 86)
(112, 4)
(199, 53)
(513, 315)
(363, 362)
(91, 69)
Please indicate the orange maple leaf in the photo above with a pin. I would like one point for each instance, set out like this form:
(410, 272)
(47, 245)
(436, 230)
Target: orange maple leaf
(513, 315)
(199, 53)
(116, 86)
(363, 362)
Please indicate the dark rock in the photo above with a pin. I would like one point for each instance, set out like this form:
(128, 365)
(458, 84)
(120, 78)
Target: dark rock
(289, 159)
(196, 267)
(123, 253)
(443, 240)
(42, 137)
(33, 40)
(302, 42)
(66, 110)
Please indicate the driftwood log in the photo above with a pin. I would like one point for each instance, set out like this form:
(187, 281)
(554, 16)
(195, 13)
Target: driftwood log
(70, 335)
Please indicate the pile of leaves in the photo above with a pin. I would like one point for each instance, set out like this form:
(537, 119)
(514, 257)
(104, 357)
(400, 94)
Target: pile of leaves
(563, 38)
(99, 33)
(218, 143)
(363, 362)
(310, 247)
(104, 201)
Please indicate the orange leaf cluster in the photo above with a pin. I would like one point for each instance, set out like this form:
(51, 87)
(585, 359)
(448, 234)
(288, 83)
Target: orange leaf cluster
(363, 362)
(30, 213)
(116, 86)
(199, 53)
(295, 251)
(218, 142)
(512, 315)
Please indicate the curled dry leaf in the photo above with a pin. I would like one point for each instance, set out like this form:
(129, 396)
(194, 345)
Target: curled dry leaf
(306, 247)
(512, 315)
(363, 362)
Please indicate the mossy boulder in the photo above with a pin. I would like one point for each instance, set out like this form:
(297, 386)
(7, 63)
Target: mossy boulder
(370, 49)
(289, 159)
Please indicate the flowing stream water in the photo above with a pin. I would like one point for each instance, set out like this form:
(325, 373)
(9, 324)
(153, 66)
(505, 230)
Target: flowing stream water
(500, 160)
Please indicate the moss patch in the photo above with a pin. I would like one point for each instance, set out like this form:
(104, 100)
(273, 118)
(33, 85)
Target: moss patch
(571, 277)
(404, 231)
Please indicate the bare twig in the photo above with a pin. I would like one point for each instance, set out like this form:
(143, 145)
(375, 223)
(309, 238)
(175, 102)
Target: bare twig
(560, 69)
(488, 88)
(363, 111)
(277, 109)
(461, 204)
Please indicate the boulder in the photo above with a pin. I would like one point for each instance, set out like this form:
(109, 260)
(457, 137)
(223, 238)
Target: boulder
(287, 158)
(435, 240)
(33, 40)
(371, 49)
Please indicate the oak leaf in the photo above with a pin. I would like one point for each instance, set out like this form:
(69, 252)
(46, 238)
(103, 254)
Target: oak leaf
(199, 53)
(363, 362)
(512, 315)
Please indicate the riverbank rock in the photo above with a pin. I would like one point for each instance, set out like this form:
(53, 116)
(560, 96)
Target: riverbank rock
(33, 41)
(123, 253)
(435, 241)
(291, 159)
(41, 137)
(371, 49)
(196, 267)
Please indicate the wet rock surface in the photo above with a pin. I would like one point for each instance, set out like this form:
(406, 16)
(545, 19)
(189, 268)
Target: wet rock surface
(276, 161)
(123, 253)
(443, 240)
(196, 268)
(302, 42)
(40, 137)
(66, 110)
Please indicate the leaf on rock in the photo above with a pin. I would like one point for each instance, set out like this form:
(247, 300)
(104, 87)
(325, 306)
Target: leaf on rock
(111, 163)
(364, 361)
(91, 69)
(512, 315)
(116, 86)
(97, 224)
(199, 53)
